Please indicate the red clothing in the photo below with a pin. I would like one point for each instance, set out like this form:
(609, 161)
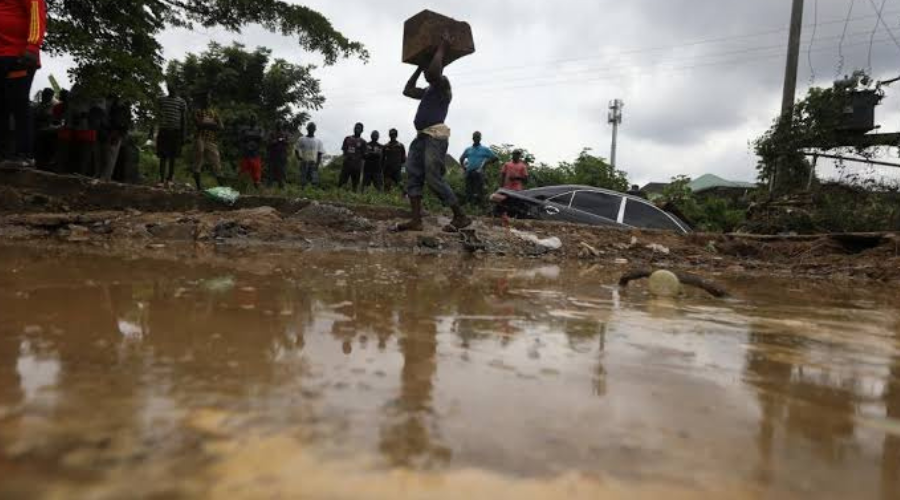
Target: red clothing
(23, 24)
(253, 167)
(515, 174)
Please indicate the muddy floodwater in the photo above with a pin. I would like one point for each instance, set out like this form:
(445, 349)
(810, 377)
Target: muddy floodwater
(349, 376)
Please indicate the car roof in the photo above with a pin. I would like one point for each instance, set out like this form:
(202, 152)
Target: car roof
(571, 188)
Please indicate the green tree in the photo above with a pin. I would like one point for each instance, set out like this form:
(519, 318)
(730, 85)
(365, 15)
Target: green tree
(245, 83)
(114, 43)
(817, 123)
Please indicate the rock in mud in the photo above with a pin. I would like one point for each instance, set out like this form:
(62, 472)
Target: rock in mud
(429, 242)
(334, 217)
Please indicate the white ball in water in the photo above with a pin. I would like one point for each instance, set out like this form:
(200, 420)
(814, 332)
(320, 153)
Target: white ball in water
(665, 284)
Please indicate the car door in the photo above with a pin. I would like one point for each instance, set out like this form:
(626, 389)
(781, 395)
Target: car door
(594, 207)
(643, 215)
(555, 208)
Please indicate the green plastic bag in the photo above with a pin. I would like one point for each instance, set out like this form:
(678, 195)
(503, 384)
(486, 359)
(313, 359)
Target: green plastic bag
(225, 195)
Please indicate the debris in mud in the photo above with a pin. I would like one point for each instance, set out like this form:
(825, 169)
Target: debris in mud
(668, 284)
(552, 243)
(334, 217)
(430, 242)
(230, 229)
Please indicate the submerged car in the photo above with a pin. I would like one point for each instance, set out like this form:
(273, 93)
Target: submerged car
(587, 205)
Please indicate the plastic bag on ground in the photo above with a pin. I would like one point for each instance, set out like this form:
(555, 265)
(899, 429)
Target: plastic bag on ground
(225, 195)
(553, 243)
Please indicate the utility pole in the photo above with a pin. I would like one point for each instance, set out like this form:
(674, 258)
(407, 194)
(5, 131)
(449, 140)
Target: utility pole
(790, 74)
(615, 119)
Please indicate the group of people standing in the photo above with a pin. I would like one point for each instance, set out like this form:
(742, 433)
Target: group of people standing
(367, 164)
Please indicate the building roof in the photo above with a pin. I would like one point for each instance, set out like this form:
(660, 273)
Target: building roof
(710, 181)
(655, 187)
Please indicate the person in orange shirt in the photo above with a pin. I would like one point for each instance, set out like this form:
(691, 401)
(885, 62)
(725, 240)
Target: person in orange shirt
(514, 175)
(23, 24)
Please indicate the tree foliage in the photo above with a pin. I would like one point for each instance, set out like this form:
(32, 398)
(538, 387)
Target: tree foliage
(585, 170)
(817, 122)
(711, 214)
(244, 83)
(114, 43)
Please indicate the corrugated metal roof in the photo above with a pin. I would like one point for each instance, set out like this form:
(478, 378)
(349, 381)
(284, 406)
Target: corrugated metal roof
(710, 181)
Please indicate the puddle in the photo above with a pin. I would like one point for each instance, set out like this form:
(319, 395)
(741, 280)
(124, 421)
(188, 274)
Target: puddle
(387, 376)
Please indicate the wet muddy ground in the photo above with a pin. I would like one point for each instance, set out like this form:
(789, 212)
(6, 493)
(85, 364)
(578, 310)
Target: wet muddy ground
(42, 209)
(239, 372)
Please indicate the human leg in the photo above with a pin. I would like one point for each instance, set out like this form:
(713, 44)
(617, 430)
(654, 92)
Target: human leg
(18, 104)
(415, 169)
(112, 158)
(435, 153)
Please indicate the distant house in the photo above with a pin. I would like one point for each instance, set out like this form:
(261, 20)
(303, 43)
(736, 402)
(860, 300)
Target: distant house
(655, 189)
(713, 186)
(707, 185)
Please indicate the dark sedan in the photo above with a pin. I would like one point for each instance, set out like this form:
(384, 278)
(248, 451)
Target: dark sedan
(587, 205)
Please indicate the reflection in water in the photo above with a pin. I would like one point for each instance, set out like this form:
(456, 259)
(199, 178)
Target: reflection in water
(115, 373)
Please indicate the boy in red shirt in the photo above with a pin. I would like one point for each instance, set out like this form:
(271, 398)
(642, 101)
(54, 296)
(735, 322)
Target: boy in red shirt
(514, 174)
(23, 24)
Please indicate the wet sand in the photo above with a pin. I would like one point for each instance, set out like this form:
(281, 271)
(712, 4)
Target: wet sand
(264, 374)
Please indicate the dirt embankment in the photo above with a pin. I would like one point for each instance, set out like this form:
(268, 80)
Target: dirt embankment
(39, 208)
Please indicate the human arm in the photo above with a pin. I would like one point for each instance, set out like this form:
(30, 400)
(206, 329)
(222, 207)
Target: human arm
(37, 19)
(463, 158)
(411, 90)
(435, 71)
(320, 155)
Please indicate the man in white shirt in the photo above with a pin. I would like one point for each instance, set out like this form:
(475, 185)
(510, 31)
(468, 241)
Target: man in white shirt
(309, 151)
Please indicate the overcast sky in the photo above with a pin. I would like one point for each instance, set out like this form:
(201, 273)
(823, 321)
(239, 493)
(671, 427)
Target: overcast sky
(700, 78)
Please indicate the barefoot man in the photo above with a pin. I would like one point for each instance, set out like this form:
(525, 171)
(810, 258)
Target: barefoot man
(428, 152)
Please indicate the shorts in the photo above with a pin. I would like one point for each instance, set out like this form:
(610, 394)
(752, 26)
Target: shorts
(207, 152)
(252, 167)
(169, 143)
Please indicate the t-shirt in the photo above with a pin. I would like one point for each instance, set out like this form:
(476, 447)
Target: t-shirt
(171, 113)
(513, 172)
(435, 105)
(394, 154)
(374, 155)
(251, 142)
(278, 147)
(210, 118)
(477, 156)
(309, 149)
(354, 149)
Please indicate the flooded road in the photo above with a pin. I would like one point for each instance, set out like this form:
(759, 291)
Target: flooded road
(386, 376)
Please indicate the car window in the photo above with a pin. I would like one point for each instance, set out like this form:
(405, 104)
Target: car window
(563, 199)
(546, 193)
(639, 214)
(604, 205)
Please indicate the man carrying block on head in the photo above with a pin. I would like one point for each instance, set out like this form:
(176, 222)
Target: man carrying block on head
(428, 152)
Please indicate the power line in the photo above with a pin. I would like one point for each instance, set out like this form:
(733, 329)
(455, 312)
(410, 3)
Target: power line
(677, 46)
(840, 67)
(812, 41)
(489, 87)
(874, 31)
(886, 27)
(622, 69)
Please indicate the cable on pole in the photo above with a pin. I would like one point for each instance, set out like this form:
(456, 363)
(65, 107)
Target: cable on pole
(812, 41)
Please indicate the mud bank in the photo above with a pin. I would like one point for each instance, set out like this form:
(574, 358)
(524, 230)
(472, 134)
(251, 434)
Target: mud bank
(40, 208)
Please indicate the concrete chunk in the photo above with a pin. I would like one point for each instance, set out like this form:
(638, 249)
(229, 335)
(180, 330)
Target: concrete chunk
(422, 34)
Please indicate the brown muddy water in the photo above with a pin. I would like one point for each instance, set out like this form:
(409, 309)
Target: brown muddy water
(347, 376)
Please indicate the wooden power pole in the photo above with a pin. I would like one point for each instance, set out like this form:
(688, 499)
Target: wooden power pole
(790, 73)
